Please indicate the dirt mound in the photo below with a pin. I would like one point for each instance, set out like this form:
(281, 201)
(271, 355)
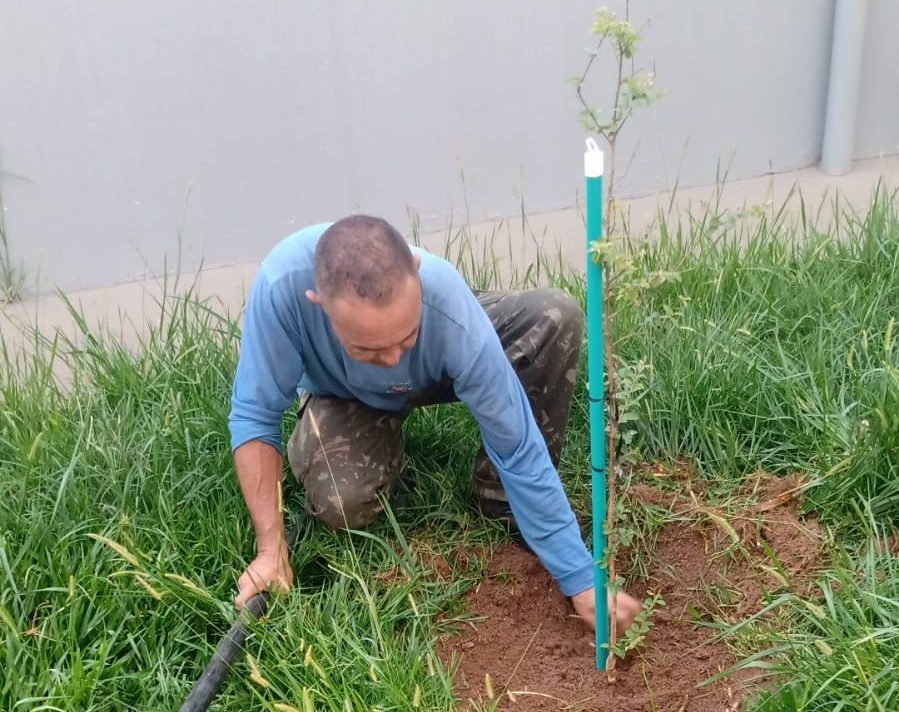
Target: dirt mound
(540, 657)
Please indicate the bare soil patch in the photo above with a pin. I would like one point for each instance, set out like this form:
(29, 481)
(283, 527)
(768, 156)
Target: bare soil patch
(540, 657)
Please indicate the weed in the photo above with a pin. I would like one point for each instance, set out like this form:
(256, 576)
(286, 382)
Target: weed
(12, 276)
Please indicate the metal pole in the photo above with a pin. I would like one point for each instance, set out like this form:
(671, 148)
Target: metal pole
(593, 169)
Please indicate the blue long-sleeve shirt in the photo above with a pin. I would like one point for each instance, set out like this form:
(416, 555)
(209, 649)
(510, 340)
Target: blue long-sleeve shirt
(289, 345)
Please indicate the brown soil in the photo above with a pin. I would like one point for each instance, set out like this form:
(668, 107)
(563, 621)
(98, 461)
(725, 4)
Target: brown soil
(891, 544)
(540, 657)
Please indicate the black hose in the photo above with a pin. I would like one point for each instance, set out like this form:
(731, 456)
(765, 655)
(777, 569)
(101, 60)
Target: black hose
(231, 646)
(229, 649)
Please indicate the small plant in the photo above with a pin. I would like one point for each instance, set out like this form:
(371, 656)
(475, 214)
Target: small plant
(633, 389)
(637, 525)
(635, 636)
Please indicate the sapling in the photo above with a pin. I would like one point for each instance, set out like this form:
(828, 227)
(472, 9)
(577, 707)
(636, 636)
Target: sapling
(633, 88)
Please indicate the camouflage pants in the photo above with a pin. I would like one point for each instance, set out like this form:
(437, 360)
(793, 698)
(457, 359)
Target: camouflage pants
(347, 455)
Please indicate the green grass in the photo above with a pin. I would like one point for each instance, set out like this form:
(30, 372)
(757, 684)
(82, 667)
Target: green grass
(771, 346)
(744, 343)
(838, 649)
(134, 451)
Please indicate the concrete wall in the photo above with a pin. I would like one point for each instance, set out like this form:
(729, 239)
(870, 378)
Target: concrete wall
(877, 127)
(128, 129)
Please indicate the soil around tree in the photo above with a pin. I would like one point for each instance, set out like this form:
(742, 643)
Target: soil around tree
(539, 656)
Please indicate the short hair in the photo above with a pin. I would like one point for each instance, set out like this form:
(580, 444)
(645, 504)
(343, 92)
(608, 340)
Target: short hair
(363, 256)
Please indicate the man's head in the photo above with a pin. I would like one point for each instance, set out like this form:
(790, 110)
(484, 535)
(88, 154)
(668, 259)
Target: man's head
(367, 282)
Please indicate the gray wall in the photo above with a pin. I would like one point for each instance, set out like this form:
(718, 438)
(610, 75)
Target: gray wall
(233, 123)
(877, 127)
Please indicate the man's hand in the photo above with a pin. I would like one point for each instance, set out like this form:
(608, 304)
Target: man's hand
(259, 470)
(626, 610)
(269, 571)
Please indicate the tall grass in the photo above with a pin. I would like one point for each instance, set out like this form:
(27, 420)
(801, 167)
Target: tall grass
(134, 449)
(839, 650)
(122, 531)
(744, 344)
(768, 344)
(757, 339)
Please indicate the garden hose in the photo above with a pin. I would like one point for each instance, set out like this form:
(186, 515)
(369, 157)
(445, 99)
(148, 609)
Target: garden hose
(230, 647)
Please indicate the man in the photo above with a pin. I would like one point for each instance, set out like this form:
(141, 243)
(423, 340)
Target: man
(367, 328)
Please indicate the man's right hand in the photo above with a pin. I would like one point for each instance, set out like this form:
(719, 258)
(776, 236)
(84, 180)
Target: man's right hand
(259, 469)
(269, 571)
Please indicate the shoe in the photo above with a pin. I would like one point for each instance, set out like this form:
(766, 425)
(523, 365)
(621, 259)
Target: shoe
(500, 511)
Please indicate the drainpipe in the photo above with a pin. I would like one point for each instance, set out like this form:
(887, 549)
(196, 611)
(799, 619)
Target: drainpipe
(842, 88)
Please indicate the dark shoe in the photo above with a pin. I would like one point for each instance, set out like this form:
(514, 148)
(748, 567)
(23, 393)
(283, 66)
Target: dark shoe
(501, 512)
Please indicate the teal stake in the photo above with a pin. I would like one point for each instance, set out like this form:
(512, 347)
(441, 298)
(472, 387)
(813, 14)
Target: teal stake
(593, 165)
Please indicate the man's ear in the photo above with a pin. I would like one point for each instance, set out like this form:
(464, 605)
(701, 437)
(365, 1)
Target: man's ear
(313, 297)
(417, 260)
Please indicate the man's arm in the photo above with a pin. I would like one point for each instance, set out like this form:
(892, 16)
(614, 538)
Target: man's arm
(269, 368)
(490, 388)
(259, 471)
(538, 502)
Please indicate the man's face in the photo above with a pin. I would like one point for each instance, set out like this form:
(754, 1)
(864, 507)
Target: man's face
(378, 335)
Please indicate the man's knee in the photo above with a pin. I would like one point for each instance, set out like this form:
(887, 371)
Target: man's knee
(345, 508)
(563, 310)
(556, 321)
